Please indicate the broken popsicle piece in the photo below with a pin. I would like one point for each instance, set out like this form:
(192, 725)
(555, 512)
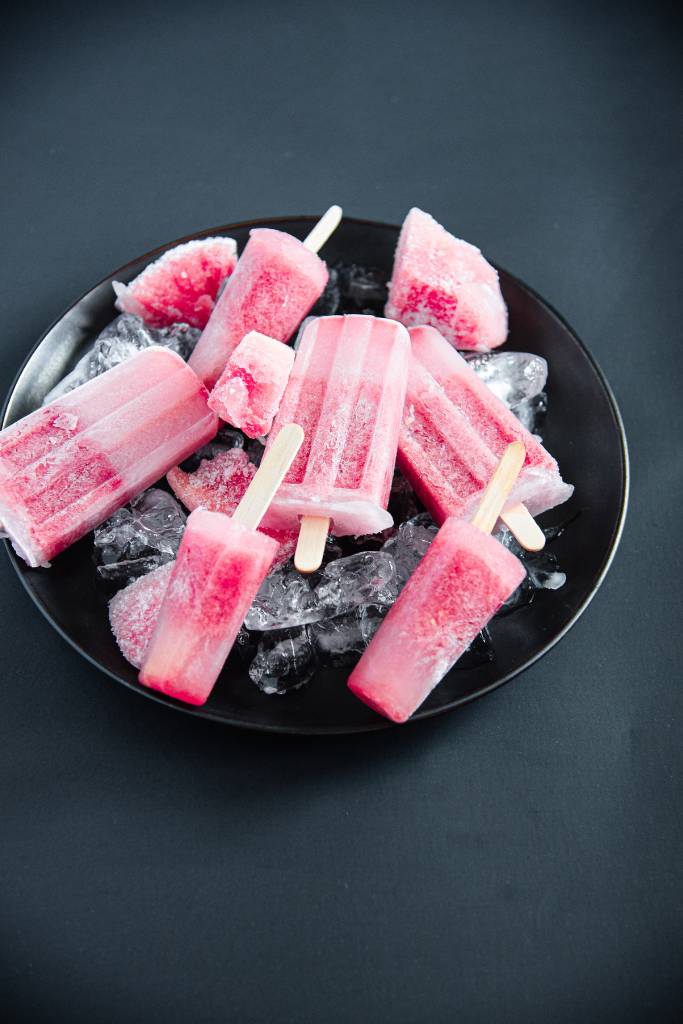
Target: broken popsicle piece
(249, 391)
(221, 563)
(181, 285)
(461, 582)
(66, 467)
(443, 281)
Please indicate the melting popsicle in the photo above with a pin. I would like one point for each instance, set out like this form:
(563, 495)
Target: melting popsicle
(346, 389)
(458, 586)
(66, 467)
(221, 563)
(277, 280)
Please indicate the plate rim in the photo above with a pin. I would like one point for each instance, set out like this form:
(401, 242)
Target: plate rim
(381, 724)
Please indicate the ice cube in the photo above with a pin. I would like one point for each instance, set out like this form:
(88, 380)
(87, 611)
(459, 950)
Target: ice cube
(512, 376)
(285, 599)
(408, 546)
(284, 662)
(340, 640)
(120, 340)
(139, 537)
(363, 578)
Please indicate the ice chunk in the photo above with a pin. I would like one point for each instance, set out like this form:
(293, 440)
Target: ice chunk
(120, 340)
(287, 599)
(368, 576)
(409, 545)
(342, 639)
(543, 572)
(512, 376)
(139, 537)
(283, 662)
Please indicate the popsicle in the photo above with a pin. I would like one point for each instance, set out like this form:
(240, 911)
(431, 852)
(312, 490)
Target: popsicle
(346, 389)
(66, 467)
(249, 391)
(443, 281)
(454, 429)
(221, 563)
(461, 582)
(276, 282)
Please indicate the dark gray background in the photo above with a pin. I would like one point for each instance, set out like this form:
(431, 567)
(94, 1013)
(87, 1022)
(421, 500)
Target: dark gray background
(519, 860)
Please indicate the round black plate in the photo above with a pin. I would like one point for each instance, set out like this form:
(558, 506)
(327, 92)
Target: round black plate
(583, 430)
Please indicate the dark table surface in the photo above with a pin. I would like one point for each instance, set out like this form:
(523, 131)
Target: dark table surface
(519, 860)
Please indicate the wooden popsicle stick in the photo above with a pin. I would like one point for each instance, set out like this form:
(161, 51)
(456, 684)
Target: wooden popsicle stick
(328, 223)
(499, 486)
(310, 546)
(523, 527)
(269, 476)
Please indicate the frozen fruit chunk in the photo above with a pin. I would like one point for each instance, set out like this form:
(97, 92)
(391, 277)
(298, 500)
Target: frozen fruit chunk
(134, 611)
(443, 281)
(219, 485)
(182, 285)
(249, 391)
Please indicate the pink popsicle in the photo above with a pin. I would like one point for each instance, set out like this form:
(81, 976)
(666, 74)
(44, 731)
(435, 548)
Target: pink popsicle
(249, 391)
(276, 282)
(454, 430)
(181, 286)
(69, 465)
(458, 586)
(443, 281)
(346, 390)
(220, 566)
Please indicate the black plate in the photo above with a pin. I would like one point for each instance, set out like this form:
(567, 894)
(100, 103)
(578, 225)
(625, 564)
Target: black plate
(583, 430)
